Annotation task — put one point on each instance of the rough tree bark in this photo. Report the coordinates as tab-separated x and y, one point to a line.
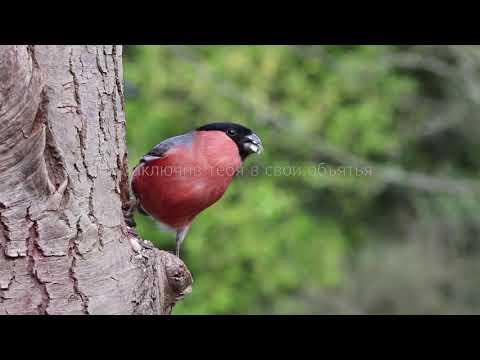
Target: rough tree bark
64	244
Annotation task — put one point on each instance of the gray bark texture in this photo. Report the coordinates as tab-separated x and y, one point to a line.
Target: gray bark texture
64	245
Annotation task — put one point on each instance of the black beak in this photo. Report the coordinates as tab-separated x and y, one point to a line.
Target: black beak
253	144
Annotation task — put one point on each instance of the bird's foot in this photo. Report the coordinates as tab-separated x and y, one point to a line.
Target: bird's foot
129	219
131	231
173	252
147	244
139	246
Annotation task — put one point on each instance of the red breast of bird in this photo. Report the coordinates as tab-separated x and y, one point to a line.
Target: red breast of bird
191	176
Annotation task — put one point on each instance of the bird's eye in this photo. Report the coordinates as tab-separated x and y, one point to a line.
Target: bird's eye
231	132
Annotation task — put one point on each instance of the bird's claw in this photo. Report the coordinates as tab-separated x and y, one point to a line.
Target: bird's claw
133	232
139	246
174	252
146	244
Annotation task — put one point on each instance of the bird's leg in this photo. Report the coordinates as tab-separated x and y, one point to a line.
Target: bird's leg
128	212
135	241
181	234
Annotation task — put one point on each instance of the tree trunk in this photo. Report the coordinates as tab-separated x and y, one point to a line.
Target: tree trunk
64	244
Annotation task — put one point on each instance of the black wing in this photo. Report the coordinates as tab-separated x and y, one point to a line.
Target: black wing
159	151
162	148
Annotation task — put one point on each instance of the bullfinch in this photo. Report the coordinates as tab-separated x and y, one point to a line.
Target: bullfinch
185	174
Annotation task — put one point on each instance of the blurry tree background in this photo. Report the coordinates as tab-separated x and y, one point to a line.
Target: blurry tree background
403	240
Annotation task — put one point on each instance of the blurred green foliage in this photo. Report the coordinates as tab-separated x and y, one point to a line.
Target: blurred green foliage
270	237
